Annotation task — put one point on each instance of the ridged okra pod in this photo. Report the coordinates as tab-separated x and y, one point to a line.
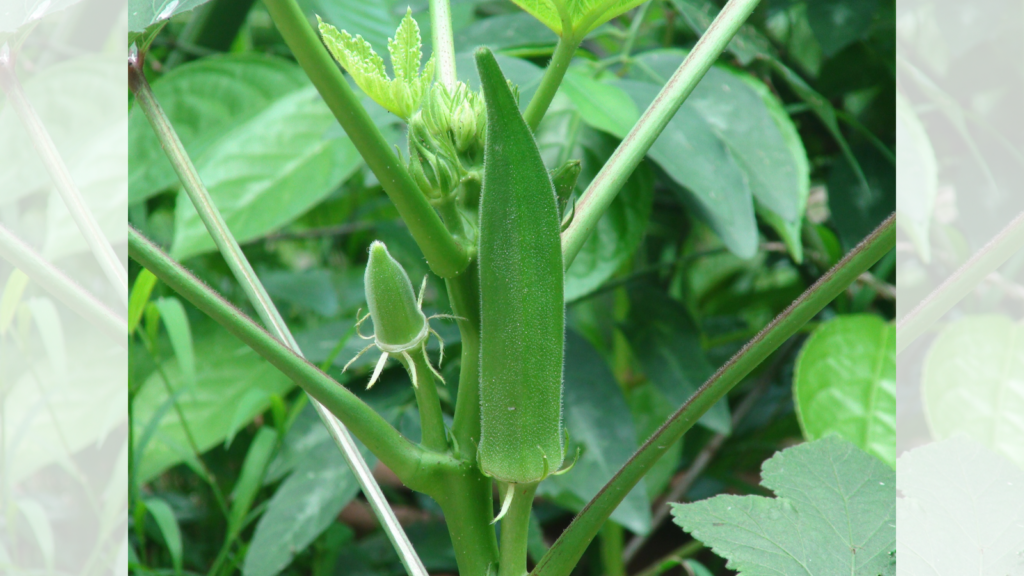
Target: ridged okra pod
521	300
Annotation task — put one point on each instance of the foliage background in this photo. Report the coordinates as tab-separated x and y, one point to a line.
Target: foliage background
680	274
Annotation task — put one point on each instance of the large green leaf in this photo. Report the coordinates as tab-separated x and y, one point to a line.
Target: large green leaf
917	176
845	383
650	410
225	371
601	105
205	100
973	383
581	16
835	513
268	171
960	510
735	107
694	155
667	343
599	423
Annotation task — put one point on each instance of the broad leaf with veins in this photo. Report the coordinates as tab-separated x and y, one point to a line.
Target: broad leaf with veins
835	513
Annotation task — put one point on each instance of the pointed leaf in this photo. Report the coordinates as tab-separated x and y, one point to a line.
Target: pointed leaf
581	16
169	529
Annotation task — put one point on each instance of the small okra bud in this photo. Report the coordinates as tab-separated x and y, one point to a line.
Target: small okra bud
522	319
564	178
397	318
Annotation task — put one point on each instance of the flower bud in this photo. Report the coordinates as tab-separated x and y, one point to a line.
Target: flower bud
397	319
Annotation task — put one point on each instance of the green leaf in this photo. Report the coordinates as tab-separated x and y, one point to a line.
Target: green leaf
168	524
307	290
747	45
250	480
144	13
205	100
917	177
141	291
225	371
835	513
41	529
522	308
302	507
790	230
172	312
504	31
576	18
374	21
268	172
403	94
600	424
736	107
971	383
961	508
845	383
666	341
603	106
14	290
695	157
838	23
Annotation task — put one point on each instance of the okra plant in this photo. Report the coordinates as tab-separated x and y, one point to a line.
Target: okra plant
519	190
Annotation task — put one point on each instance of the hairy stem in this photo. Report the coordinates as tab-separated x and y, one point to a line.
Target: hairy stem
606	185
431	421
553	74
261	301
101	249
443	43
466	499
514	528
567	550
1008	242
611	547
444	254
464	295
408	461
62	288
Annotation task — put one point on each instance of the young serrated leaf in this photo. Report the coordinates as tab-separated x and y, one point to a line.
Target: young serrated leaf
405	49
401	95
835	513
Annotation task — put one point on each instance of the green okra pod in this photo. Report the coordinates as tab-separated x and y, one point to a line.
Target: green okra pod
521	296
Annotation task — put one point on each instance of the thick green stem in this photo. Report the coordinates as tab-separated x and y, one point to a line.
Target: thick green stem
567	550
464	295
61	177
514	528
431	421
466	499
443	42
553	74
606	185
444	254
409	462
611	546
51	279
993	255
